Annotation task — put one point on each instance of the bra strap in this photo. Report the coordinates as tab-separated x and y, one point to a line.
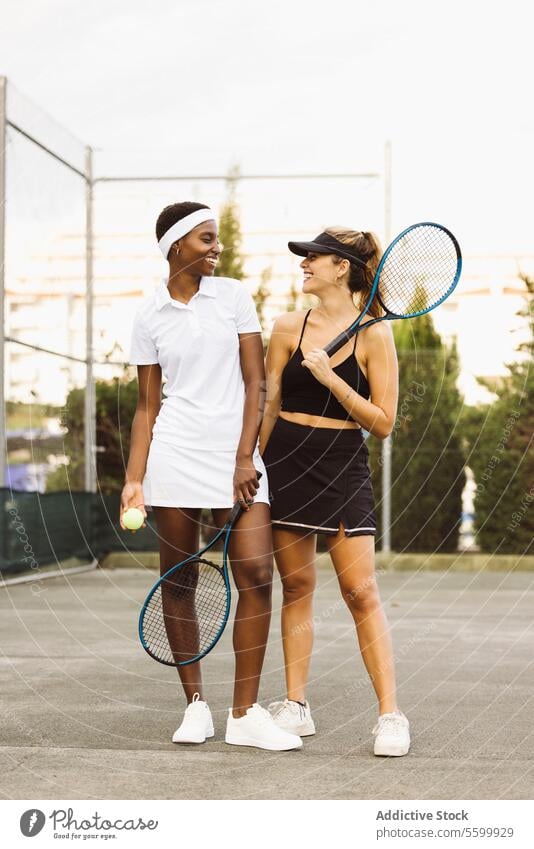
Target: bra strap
303	326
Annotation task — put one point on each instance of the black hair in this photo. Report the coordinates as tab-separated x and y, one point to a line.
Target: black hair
173	213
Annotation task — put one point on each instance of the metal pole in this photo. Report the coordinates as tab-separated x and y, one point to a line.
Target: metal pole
194	178
387	443
3	144
90	396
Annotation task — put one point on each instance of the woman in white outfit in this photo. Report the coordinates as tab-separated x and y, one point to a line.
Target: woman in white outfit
198	448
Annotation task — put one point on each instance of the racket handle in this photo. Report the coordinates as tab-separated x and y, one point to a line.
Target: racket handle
237	509
340	340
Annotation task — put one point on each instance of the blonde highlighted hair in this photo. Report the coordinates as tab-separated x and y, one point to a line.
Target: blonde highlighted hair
369	250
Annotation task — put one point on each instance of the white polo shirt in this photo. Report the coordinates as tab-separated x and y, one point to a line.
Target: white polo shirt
197	347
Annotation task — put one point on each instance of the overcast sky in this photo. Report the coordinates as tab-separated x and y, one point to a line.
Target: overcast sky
196	85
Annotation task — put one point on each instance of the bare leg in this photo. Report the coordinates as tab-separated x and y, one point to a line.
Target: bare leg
354	562
250	552
178	532
295	559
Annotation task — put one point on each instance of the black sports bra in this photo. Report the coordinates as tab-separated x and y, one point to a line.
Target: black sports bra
302	392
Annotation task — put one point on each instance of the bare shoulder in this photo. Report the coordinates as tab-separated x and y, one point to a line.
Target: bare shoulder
377	339
381	332
286	329
288	322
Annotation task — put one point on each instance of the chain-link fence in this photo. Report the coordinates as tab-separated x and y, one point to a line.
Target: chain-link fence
77	253
68	296
44	291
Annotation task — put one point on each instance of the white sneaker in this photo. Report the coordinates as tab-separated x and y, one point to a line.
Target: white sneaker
293	717
258	728
392	734
197	723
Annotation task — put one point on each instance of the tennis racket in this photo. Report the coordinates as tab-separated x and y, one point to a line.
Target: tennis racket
417	272
185	612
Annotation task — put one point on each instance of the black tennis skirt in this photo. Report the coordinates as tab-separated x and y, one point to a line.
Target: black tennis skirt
318	478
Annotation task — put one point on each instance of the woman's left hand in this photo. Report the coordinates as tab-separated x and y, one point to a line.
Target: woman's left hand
246	482
318	362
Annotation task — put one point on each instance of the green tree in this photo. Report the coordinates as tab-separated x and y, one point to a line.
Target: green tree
231	261
499	441
292	296
262	293
115	406
71	476
427	455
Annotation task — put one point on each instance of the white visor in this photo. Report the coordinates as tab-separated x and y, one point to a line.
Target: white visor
182	227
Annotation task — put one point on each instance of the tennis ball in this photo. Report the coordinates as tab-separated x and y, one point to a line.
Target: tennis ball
133	518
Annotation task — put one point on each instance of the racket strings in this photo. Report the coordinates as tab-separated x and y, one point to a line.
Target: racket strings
419	271
184	616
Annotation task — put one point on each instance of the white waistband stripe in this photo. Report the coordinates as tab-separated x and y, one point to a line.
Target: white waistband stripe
319	527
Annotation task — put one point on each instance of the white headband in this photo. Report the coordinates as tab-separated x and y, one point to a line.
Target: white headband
185	225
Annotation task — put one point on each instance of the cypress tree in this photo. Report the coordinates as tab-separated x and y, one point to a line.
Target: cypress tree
427	457
262	293
230	262
292	297
499	439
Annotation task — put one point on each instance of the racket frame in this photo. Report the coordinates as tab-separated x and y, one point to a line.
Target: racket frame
354	328
226	529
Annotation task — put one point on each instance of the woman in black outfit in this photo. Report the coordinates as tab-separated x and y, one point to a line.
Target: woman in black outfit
317	461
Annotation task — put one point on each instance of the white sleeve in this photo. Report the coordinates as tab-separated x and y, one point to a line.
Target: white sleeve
246	317
143	352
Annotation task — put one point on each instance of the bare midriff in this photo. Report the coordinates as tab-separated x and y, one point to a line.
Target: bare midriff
318	421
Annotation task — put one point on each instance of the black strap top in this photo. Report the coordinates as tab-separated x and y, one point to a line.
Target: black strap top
302	392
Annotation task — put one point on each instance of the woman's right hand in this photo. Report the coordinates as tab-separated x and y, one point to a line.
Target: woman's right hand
132	496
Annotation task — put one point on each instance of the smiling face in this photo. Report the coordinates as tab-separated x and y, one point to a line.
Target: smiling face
321	271
200	249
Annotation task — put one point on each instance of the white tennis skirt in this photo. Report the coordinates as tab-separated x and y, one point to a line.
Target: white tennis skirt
188	477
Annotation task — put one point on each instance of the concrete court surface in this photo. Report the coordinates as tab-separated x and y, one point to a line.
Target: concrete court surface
86	713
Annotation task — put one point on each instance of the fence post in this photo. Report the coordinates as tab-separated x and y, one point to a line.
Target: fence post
386	444
3	144
90	392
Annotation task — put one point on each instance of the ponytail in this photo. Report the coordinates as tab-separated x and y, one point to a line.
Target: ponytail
368	248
